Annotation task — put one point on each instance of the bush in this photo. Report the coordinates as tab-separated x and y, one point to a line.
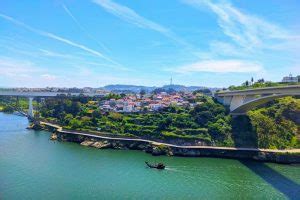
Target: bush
275	129
8	109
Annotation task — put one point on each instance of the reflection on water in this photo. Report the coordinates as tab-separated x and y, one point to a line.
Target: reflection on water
283	184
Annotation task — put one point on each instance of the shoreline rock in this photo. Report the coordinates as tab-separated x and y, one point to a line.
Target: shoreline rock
53	136
157	149
35	126
87	143
101	145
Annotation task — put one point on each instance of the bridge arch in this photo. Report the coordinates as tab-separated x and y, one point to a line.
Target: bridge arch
249	105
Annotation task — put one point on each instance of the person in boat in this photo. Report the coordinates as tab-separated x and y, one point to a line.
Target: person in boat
157	166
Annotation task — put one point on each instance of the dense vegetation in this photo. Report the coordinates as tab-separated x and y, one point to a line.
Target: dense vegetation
8	104
259	84
275	125
278	124
208	121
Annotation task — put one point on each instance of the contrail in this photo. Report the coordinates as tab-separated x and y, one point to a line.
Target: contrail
129	15
83	29
61	39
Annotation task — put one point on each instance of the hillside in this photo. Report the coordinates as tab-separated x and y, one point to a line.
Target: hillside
138	88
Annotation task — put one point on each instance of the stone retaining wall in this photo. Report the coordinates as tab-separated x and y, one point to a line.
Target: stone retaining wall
178	151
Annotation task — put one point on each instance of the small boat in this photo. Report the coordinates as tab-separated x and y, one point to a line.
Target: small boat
157	166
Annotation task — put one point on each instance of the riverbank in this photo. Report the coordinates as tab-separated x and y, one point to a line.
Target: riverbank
89	173
160	148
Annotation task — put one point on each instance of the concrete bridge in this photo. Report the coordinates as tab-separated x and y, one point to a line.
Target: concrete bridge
241	101
32	95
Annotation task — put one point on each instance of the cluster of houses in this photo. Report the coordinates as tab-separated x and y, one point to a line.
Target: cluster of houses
147	103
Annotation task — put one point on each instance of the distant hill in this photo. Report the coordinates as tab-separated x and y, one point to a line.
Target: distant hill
182	88
132	88
137	88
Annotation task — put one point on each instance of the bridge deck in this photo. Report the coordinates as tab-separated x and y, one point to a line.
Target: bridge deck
259	91
45	94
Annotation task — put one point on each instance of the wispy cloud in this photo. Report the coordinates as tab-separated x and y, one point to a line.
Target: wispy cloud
218	48
246	30
55	54
22	72
18	46
20	49
20	69
49	77
12	67
130	15
83	29
251	40
60	39
221	66
134	18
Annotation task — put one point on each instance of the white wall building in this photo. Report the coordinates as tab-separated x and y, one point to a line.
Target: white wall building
155	106
290	79
128	108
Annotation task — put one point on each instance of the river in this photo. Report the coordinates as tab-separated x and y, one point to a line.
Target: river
33	167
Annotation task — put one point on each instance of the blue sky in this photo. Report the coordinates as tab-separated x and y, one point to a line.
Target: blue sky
97	42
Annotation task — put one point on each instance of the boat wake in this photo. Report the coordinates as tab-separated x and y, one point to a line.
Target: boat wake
174	170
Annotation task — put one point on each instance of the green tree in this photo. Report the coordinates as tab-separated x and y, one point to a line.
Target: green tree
276	125
75	123
68	118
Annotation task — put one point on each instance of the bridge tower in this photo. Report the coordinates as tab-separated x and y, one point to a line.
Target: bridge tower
30	109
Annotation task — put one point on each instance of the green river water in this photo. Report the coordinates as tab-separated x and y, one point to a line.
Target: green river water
33	167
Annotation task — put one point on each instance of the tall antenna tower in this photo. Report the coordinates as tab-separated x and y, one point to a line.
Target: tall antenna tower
171	81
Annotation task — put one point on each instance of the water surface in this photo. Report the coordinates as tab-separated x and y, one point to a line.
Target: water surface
33	167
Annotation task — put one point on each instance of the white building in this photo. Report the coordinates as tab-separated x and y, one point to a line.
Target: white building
290	79
155	106
128	108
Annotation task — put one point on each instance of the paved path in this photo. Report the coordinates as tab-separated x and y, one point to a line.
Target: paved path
60	129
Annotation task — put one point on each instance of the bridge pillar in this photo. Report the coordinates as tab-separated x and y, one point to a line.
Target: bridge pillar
224	100
30	109
227	100
236	101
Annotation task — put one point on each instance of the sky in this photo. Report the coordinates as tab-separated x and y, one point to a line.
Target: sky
92	43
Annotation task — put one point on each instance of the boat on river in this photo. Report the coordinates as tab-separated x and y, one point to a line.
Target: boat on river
157	166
